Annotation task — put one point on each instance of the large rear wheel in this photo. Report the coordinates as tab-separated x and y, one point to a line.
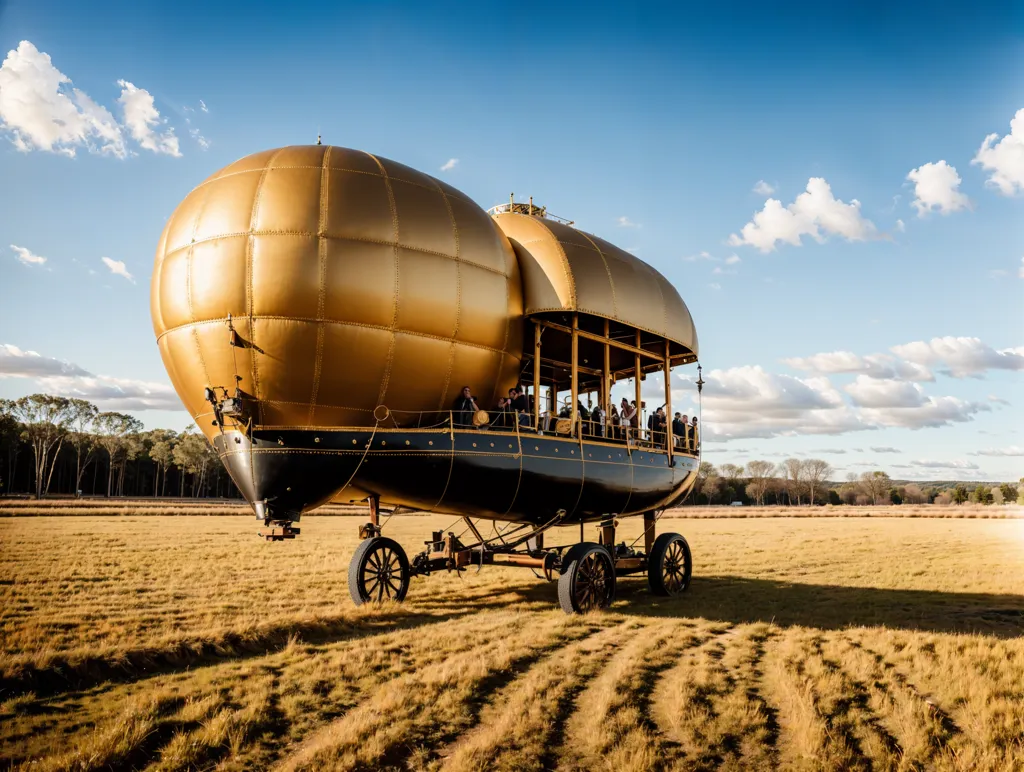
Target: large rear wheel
669	565
379	571
587	582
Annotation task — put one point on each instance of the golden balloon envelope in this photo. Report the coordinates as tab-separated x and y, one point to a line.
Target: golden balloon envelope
352	281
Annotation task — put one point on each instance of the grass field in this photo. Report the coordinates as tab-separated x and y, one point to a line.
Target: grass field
816	643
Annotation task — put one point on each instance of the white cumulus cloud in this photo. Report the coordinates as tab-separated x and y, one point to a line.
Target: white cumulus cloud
751	402
26	256
954	464
962	357
732	260
450	164
118	267
885	392
142	120
875	365
41	111
1004	160
17	363
816	213
935	187
56	376
931	412
762	188
1012	451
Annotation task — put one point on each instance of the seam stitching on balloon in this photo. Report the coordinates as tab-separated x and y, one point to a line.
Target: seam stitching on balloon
394	313
458	298
321	328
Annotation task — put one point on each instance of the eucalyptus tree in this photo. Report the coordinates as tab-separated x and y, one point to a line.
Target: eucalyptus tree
161	452
761	474
815	473
45	419
117	433
81	436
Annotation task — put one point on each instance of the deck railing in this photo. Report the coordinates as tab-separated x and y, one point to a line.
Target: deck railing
509	421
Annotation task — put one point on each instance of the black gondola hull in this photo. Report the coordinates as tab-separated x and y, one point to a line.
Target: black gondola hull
497	475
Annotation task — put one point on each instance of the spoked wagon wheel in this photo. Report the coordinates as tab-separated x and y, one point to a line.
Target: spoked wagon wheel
669	565
379	571
588	580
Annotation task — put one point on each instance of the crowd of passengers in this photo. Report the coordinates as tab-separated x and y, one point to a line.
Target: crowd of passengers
617	423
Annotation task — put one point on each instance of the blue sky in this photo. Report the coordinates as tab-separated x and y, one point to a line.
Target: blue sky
651	127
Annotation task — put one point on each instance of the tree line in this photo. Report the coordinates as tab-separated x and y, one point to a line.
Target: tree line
59	445
796	482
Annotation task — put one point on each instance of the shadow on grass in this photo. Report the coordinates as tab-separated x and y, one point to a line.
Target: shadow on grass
61	675
737	599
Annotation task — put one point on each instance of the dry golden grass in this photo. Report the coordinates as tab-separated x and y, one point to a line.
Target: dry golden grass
187	643
61	506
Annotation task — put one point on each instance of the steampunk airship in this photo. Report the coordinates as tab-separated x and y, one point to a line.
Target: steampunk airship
320	310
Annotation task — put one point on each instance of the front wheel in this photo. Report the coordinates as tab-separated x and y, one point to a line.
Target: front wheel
669	565
379	571
587	582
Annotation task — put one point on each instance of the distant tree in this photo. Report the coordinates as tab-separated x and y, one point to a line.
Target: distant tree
10	440
81	437
943	499
894	496
712	484
761	474
912	494
705	470
996	492
792	472
875	486
117	434
833	497
959	495
815	473
193	455
161	451
981	495
730	472
1009	493
1020	491
44	419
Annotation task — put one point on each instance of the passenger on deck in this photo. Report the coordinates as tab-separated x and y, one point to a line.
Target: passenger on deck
505	406
464	407
613	422
627	418
520	406
597	421
658	426
693	433
679	430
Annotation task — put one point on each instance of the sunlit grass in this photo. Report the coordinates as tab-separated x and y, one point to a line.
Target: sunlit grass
184	643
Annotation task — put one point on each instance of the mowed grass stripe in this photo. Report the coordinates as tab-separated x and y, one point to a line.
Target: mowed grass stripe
709	703
611	726
413	716
316	684
522	725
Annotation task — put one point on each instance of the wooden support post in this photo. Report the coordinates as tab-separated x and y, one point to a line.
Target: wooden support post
575	364
637	374
668	401
606	381
374	502
608	533
648	532
536	376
